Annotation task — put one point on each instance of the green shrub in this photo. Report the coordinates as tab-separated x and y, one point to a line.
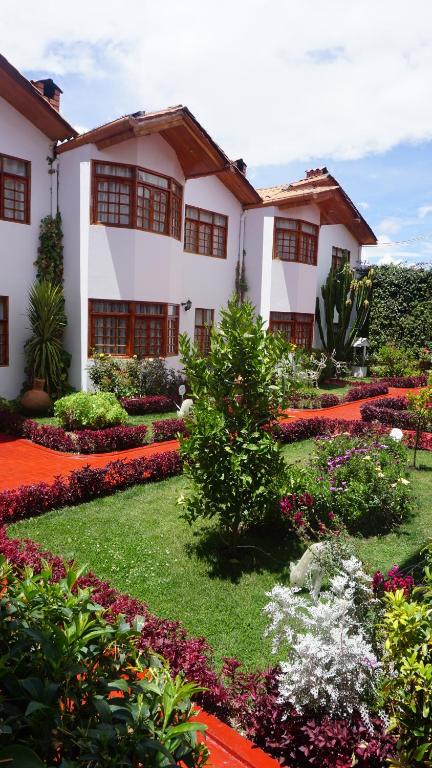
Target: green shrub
134	377
90	410
236	468
391	360
407	688
76	691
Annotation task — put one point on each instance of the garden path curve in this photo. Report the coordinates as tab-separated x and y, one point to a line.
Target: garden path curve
23	462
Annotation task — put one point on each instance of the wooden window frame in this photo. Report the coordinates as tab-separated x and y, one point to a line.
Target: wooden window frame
169	319
212	225
4	331
294	319
299	235
26	180
202	338
339	255
174	206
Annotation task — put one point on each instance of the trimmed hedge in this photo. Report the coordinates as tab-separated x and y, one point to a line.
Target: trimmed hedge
83	441
391	411
357	392
407	381
138	406
168	429
366	390
86	484
302	429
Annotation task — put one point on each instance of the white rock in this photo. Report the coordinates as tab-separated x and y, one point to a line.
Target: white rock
308	570
184	409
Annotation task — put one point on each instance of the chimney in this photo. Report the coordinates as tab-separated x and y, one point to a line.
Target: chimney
50	91
316	172
241	165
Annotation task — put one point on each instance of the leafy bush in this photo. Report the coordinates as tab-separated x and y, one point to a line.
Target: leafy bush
390	360
45	356
148	404
364	391
331	667
89	410
134	377
236	467
407	660
401	311
406	381
169	429
76	689
392	411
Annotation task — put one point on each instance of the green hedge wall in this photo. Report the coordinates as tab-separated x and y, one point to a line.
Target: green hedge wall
401	307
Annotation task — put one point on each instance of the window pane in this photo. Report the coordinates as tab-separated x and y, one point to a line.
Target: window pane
113	202
204	239
310	228
114	170
286	223
15	166
192	213
286	245
191	236
14	199
152	178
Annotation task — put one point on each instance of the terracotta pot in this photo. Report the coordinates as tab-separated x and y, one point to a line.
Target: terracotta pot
36	400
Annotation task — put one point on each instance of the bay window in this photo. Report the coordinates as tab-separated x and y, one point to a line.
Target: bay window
14	189
340	256
297	327
126	328
128	196
295	240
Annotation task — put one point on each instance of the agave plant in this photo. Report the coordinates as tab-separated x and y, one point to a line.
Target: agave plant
44	349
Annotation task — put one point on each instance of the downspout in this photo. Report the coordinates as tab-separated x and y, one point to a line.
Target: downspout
241	252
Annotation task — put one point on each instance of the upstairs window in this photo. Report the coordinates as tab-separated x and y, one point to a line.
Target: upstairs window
126	328
128	196
295	240
4	331
340	256
14	189
205	232
204	321
297	327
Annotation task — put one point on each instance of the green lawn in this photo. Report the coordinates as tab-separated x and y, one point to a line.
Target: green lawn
136	540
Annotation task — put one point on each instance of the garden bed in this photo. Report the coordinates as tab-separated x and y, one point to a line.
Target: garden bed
313	400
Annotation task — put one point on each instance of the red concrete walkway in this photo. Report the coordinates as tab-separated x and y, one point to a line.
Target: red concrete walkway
24	463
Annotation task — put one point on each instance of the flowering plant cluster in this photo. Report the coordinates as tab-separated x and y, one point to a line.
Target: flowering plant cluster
134	377
331	667
168	429
306	515
394	580
82	441
250	699
149	404
85	484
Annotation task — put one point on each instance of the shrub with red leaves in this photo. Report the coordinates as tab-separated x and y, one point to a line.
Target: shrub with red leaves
85	484
148	404
364	391
390	411
406	381
392	582
301	429
168	429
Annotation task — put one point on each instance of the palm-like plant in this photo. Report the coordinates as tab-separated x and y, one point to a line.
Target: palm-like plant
44	349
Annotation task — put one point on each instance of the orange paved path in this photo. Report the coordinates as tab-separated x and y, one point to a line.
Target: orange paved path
24	463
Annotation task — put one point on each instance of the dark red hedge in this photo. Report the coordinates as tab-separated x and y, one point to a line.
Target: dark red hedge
364	391
406	381
149	404
168	429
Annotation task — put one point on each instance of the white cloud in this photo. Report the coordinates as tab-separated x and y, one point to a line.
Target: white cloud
272	82
424	210
364	206
390	226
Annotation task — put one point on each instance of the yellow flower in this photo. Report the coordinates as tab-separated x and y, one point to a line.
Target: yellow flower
403	481
380	474
367	458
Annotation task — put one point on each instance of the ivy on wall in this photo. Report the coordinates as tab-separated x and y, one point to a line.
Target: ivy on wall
49	262
401	311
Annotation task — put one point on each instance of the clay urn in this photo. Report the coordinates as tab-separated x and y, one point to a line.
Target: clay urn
36	400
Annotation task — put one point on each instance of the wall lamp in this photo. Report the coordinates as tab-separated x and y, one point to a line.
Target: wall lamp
186	305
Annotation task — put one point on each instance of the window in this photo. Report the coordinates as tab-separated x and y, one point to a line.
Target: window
204	320
296	327
339	256
205	232
4	331
14	189
127	196
126	328
295	240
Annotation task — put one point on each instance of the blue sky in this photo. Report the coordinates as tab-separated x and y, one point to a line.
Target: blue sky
286	85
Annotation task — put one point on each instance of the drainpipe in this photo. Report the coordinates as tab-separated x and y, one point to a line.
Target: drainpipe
241	241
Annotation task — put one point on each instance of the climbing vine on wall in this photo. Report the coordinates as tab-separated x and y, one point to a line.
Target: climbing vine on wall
401	311
49	262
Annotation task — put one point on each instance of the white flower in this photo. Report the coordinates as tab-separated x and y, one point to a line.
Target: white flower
403	481
396	434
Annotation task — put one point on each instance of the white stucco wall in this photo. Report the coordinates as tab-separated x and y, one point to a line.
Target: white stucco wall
115	263
19	242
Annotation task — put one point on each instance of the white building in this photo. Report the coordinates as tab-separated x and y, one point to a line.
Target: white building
155	219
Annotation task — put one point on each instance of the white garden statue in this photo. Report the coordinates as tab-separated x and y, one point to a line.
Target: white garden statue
185	408
308	571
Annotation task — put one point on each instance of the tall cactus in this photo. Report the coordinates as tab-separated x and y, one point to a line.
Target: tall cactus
343	293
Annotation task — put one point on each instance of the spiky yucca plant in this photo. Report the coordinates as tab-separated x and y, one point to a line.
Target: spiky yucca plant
44	349
343	293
